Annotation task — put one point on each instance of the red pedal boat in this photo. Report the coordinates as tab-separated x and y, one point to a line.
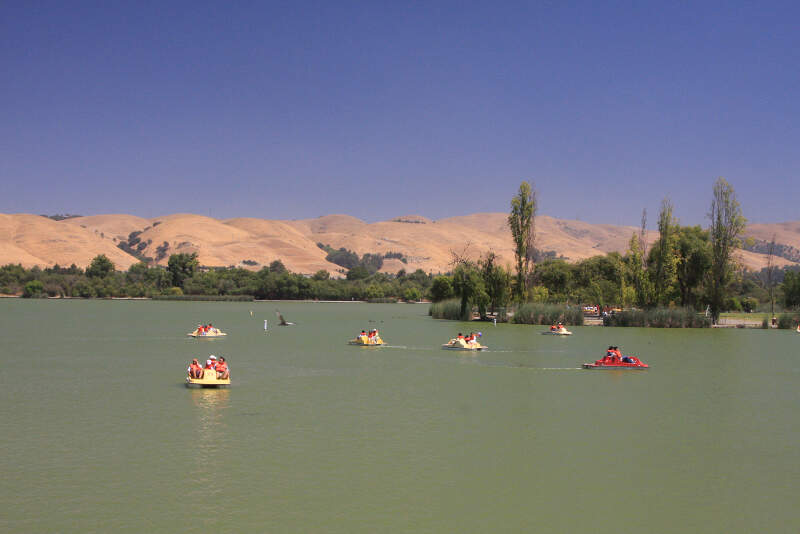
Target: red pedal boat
615	363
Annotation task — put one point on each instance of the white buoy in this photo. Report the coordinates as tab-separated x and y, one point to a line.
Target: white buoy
251	313
265	325
495	321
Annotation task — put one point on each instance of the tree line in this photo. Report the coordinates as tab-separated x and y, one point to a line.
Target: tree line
183	276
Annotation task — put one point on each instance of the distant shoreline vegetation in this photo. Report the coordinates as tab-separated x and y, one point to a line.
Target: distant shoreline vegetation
184	279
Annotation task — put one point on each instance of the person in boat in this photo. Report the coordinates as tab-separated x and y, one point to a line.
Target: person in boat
223	372
624	359
211	362
559	327
613	355
194	370
553	328
618	357
375	336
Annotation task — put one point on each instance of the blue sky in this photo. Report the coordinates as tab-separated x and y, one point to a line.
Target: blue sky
286	110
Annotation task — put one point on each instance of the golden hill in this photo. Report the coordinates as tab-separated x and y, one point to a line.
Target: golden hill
35	240
254	243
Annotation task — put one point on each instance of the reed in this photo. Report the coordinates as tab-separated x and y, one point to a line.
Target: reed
659	318
449	309
787	321
543	313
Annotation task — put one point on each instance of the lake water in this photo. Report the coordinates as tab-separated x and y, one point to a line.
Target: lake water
99	434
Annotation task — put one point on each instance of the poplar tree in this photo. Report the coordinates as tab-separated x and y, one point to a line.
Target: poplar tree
522	221
727	223
663	257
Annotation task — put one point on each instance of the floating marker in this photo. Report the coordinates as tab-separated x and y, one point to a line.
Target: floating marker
265	325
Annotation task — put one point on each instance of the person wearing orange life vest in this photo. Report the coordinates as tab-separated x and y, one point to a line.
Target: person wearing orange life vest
195	371
223	371
211	362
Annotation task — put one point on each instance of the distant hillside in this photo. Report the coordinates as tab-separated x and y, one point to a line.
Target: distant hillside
253	243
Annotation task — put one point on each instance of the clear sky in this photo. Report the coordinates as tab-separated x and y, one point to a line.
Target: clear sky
295	109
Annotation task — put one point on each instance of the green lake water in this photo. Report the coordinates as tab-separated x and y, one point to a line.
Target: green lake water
99	434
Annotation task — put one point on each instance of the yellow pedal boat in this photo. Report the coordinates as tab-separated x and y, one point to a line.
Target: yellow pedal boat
215	333
363	341
460	344
209	380
559	332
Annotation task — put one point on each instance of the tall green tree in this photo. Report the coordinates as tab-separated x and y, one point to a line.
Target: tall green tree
522	221
181	267
468	286
441	289
727	224
557	277
100	267
496	280
791	289
694	261
663	259
770	275
635	274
